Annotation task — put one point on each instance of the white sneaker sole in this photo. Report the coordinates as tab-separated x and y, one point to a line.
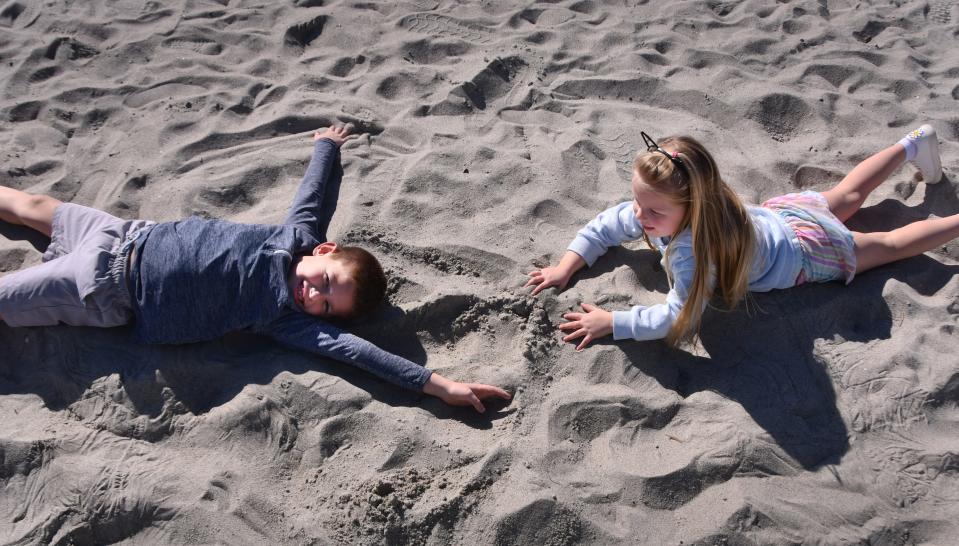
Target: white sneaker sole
927	154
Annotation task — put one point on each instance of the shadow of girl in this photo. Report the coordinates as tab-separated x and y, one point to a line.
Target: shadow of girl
782	355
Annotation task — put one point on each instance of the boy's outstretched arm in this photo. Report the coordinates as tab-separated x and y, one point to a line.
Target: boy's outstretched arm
301	331
315	200
455	393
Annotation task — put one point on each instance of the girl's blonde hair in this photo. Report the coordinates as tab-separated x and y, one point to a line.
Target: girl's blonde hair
723	237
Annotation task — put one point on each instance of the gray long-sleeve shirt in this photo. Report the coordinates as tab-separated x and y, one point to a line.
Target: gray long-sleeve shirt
197	279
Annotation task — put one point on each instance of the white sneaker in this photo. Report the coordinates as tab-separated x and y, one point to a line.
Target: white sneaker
927	153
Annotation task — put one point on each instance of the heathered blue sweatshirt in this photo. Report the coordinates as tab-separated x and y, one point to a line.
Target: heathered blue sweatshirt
197	279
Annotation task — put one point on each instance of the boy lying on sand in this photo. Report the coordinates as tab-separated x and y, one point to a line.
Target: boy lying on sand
197	279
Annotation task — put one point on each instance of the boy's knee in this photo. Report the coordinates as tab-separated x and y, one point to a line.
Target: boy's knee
39	202
29	205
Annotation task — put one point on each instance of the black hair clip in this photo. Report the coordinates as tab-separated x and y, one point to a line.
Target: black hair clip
651	146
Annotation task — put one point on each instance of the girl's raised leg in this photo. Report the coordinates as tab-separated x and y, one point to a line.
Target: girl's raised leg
21	208
847	196
921	147
878	248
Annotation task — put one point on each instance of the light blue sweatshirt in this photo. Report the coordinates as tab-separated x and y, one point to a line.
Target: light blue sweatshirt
777	261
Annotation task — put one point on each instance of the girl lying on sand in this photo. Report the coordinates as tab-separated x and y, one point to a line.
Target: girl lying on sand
713	245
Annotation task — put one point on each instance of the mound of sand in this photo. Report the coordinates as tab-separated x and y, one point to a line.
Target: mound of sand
492	132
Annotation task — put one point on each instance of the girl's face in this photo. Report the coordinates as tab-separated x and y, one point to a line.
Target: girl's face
659	215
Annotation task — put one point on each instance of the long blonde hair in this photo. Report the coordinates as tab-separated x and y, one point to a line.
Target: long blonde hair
723	238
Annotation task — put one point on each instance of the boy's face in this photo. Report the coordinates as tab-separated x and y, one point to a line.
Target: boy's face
659	215
323	286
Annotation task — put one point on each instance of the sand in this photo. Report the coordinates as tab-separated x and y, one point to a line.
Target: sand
492	131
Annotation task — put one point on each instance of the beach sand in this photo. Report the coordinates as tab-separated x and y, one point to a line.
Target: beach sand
491	132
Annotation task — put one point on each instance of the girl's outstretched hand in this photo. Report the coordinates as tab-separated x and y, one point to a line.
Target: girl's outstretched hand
543	278
591	325
455	393
558	275
338	135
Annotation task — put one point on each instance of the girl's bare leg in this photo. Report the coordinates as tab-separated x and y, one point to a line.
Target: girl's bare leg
875	249
847	196
21	208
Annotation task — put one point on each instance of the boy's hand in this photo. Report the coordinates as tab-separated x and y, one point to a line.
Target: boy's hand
455	393
591	325
338	135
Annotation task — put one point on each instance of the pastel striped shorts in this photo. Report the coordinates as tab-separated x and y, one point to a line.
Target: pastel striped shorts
827	245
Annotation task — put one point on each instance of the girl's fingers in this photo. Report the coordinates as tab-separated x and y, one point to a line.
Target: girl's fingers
578	333
543	285
535	272
572	325
586	341
588	307
573	316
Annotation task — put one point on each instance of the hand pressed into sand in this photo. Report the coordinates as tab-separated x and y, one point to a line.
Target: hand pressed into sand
557	275
591	325
455	393
339	135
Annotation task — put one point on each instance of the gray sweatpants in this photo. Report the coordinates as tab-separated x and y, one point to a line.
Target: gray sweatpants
82	280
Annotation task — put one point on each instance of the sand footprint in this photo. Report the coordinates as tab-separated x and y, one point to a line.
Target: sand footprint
203	46
219	491
298	37
441	25
544	521
495	81
781	115
940	11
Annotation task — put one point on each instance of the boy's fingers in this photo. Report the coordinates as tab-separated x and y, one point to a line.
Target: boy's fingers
578	333
586	341
476	403
485	391
589	307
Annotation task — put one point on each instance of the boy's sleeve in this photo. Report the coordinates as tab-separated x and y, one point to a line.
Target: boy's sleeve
301	331
653	322
315	200
612	227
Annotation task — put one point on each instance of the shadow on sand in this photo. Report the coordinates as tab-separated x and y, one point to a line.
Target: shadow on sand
60	363
763	354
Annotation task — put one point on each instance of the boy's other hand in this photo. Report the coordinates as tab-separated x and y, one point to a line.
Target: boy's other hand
455	393
338	135
591	325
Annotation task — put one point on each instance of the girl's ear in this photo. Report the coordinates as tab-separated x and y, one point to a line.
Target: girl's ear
324	248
